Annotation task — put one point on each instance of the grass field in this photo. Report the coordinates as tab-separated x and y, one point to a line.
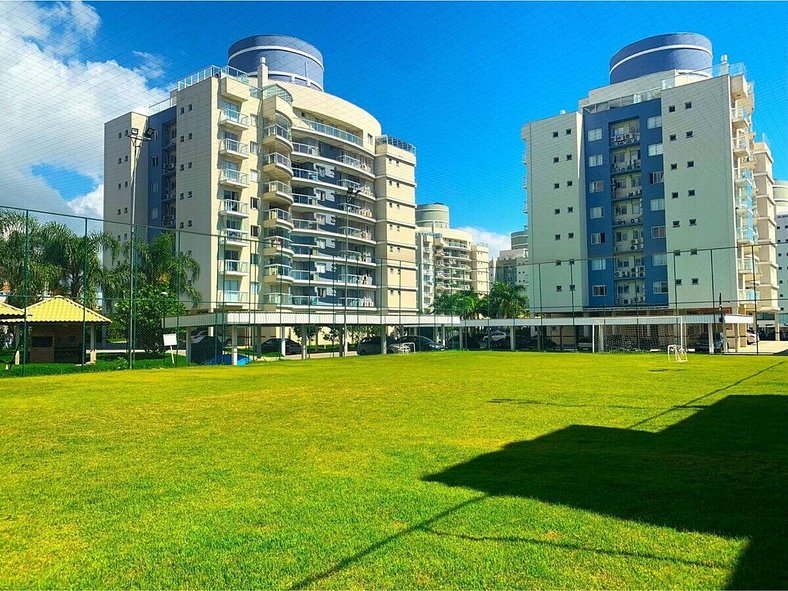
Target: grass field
442	470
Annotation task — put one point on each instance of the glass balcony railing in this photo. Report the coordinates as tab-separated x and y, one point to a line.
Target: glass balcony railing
278	214
231	145
234	235
306	149
280	159
277	242
233	266
233	176
332	131
619	167
300	173
278	131
279	187
277	270
280	299
230	206
357	302
233	117
233	297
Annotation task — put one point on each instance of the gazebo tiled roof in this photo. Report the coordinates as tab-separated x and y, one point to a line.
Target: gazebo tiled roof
60	309
9	311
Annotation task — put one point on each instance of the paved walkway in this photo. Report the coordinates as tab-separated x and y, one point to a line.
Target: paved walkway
763	348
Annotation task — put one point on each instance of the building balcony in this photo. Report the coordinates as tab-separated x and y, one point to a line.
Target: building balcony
277	136
309	300
356	210
630	274
233	119
629	246
746	235
169	196
169	167
362	189
278	192
168	221
624	167
741	147
628	221
740	118
277	273
233	178
278	217
276	245
354	232
232	208
299	148
357	302
233	149
277	299
746	295
230	297
742	177
278	166
331	132
354	279
745	265
628	193
740	88
234	236
356	255
624	139
355	163
233	267
309	175
744	202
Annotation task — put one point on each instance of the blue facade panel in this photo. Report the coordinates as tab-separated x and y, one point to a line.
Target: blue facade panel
155	164
603	226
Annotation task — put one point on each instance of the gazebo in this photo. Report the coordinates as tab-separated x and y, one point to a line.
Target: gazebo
57	327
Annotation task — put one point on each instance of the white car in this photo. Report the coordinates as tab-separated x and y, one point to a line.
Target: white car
495	340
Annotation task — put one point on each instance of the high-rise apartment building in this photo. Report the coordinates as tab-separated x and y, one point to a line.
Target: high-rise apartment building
512	266
289	197
654	194
449	260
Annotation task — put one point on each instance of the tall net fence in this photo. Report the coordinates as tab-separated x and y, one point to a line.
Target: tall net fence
82	291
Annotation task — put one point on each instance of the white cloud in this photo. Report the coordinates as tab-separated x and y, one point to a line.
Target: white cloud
59	102
497	242
152	65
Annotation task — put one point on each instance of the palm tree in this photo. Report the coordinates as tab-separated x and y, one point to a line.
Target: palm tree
465	304
79	271
507	301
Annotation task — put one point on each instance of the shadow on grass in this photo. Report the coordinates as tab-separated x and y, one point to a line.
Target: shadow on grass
721	471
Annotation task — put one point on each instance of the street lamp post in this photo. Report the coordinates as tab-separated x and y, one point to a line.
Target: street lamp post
137	140
348	197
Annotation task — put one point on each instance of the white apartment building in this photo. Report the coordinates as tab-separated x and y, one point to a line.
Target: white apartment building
512	265
654	195
449	261
781	200
289	198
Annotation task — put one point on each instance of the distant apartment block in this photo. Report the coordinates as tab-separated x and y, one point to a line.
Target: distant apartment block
512	266
781	200
290	198
655	194
448	260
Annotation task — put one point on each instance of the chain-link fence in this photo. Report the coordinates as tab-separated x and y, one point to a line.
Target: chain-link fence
87	292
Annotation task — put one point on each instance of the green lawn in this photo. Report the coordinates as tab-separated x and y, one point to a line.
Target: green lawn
440	470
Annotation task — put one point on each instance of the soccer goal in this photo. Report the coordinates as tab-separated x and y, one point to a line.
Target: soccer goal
677	353
630	334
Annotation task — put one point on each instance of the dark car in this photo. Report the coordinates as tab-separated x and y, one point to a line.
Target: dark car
701	344
532	343
414	343
369	346
275	346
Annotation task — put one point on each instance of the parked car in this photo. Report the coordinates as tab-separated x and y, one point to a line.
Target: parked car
469	341
752	336
531	343
275	346
369	346
498	339
414	342
701	344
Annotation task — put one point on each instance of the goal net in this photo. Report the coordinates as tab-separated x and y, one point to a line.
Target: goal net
623	335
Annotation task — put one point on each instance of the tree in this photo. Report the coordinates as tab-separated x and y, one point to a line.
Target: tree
152	303
465	304
506	301
22	261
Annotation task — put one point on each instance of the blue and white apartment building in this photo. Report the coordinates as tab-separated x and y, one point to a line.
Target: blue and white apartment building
655	195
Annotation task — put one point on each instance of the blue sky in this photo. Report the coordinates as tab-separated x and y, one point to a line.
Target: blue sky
456	79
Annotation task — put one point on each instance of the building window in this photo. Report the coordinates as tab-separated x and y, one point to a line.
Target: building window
691	193
595	160
595	187
690	163
678	281
569	183
693	222
658	231
555	159
654	122
120	160
570	235
182	139
596	212
599	290
660	287
594	134
570	210
674	195
190	164
255	203
558	236
558	263
654	149
154	161
693	252
598	238
694	281
254	148
556	185
655	177
182	110
190	135
189	224
568	156
659	260
568	132
189	195
671	108
598	264
559	288
688	105
676	223
658	204
672	137
254	231
555	134
556	211
688	134
254	258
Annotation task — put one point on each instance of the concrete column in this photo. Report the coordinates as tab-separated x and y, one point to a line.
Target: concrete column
601	338
304	341
776	326
443	334
234	342
92	343
511	339
461	339
383	344
736	337
710	330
